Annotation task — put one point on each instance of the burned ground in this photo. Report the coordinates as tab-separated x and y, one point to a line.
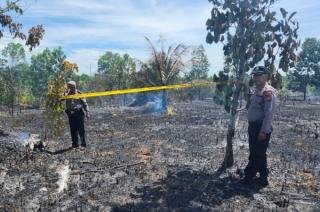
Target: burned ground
137	162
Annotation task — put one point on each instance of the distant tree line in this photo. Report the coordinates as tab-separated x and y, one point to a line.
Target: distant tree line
25	83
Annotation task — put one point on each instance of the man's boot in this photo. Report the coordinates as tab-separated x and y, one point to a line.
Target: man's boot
75	145
83	142
262	181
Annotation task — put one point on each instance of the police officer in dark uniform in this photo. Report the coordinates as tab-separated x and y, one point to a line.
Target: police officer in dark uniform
261	108
77	110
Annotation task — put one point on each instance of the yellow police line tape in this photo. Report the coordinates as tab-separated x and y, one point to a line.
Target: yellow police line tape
138	90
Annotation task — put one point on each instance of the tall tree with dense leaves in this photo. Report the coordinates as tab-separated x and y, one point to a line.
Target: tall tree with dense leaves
251	33
199	68
199	64
54	107
43	67
307	71
12	65
8	12
116	70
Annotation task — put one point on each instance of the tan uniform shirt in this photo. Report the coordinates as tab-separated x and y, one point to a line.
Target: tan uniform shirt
262	106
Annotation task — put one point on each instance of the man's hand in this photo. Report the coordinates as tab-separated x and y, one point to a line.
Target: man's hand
241	109
87	115
262	136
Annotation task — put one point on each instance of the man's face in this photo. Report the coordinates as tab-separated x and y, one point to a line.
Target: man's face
259	79
72	88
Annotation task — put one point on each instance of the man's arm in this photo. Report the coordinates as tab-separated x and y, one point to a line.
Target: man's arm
269	108
84	105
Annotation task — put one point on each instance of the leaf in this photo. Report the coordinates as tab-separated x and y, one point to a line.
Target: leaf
292	64
277	27
209	38
209	23
274	44
216	38
278	39
283	12
292	14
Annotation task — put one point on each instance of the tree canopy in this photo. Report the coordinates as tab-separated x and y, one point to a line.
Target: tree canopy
8	13
116	70
199	64
307	71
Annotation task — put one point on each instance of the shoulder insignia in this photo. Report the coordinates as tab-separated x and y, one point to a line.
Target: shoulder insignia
268	95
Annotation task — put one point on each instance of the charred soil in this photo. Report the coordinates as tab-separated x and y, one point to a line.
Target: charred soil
136	162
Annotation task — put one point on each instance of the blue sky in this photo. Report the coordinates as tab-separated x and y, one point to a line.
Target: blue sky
85	29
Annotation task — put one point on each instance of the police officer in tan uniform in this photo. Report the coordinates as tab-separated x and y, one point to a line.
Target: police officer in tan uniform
77	110
261	108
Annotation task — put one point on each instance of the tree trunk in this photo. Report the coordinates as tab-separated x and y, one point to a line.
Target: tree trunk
164	101
124	100
240	70
228	158
304	93
12	107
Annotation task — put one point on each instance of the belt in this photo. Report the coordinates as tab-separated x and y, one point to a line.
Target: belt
255	122
72	111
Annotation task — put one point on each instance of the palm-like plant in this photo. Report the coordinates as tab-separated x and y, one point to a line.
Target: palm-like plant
164	65
162	68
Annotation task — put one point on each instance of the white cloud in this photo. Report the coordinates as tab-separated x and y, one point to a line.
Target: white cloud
86	29
86	59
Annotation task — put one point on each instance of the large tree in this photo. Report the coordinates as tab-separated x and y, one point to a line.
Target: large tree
54	107
199	64
116	70
43	67
199	70
251	33
307	71
11	70
8	12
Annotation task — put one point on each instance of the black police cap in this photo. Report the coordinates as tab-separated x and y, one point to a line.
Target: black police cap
260	70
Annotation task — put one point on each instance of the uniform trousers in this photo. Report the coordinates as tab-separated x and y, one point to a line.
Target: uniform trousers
76	122
258	156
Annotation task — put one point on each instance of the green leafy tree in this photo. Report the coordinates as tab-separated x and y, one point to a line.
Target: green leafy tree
116	69
96	83
307	71
199	64
199	69
54	107
251	33
12	65
82	80
43	67
25	97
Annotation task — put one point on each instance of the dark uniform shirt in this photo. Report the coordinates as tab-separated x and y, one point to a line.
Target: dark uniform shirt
76	104
262	106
